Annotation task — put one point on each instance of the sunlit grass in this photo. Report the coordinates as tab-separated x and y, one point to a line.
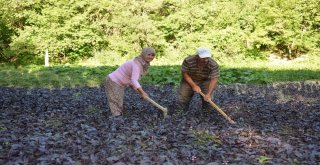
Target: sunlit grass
52	77
162	71
278	70
303	62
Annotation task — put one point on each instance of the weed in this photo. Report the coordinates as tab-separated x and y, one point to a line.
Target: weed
263	159
93	110
3	129
202	138
76	95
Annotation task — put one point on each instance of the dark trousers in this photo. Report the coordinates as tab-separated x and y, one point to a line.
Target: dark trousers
185	94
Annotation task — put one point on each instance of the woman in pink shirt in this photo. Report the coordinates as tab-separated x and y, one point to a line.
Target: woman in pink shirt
127	74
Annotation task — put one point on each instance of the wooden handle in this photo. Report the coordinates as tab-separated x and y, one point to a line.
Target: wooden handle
219	110
164	110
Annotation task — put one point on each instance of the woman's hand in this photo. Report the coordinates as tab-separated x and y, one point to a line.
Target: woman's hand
142	93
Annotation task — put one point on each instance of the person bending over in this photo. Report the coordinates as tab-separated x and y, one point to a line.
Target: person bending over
200	73
128	74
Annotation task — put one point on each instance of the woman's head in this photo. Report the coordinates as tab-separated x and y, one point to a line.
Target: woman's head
148	54
145	57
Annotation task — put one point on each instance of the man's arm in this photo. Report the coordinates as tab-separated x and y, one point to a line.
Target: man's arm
212	85
189	80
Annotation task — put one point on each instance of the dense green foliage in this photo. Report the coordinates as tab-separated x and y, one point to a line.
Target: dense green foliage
76	30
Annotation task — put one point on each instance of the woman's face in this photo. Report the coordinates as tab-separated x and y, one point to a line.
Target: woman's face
149	57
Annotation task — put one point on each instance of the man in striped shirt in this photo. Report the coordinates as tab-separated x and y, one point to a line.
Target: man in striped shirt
199	74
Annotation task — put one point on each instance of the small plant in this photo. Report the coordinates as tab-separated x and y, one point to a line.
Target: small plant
93	110
76	95
2	128
263	159
204	137
6	144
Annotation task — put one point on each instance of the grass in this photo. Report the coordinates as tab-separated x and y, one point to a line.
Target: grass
161	72
55	76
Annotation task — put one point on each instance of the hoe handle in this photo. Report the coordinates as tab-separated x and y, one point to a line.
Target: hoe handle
219	110
164	110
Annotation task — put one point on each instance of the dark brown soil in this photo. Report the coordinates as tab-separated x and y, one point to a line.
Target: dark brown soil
276	124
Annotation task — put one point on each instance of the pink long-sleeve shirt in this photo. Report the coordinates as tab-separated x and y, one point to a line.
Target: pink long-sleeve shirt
128	73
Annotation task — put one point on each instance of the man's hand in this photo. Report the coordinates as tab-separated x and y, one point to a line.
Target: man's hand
207	97
189	80
196	88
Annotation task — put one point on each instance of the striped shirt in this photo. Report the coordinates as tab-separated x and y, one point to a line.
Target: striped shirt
209	71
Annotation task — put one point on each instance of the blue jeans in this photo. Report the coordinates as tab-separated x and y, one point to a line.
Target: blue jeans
185	94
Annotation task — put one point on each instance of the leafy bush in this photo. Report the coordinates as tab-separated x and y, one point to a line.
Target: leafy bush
75	30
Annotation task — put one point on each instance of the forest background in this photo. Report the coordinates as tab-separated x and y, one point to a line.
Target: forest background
91	38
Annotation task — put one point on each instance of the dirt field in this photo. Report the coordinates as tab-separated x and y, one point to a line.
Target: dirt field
276	124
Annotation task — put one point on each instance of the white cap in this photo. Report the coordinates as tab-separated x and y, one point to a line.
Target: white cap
203	52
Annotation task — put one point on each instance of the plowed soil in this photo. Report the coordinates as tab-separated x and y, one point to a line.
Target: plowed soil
276	124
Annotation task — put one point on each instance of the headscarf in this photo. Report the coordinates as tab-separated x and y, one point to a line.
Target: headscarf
141	59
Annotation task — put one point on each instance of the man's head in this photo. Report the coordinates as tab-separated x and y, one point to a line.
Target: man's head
203	52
